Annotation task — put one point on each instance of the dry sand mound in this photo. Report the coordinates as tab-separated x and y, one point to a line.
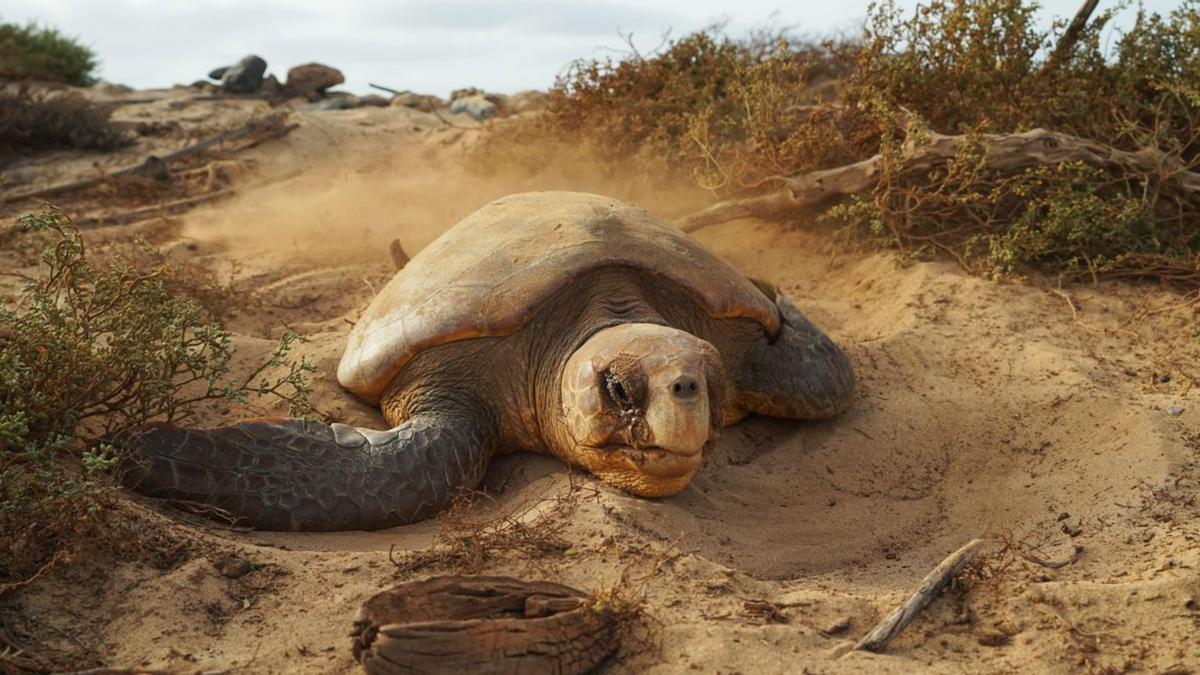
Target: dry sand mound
1009	410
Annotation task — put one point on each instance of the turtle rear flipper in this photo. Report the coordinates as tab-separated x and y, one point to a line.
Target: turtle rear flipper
294	474
802	374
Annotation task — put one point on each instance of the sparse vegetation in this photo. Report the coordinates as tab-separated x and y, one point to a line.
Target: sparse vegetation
90	352
31	52
740	117
31	122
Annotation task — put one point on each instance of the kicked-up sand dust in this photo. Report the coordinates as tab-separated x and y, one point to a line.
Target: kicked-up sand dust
1044	418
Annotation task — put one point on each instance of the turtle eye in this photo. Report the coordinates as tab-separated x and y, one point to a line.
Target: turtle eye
617	391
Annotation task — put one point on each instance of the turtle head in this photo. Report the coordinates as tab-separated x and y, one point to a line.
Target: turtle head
640	404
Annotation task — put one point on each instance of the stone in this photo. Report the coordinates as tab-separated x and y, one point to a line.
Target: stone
270	85
234	566
422	102
373	100
217	73
332	103
465	92
476	106
312	78
245	76
528	101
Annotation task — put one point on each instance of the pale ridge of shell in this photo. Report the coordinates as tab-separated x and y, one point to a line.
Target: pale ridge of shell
487	276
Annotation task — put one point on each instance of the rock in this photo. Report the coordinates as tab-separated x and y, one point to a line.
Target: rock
333	103
373	100
465	92
217	73
204	86
1175	411
840	625
422	102
234	566
312	79
270	85
111	89
245	76
528	101
476	106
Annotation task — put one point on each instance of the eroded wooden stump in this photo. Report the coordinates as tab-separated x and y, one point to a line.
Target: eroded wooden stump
468	624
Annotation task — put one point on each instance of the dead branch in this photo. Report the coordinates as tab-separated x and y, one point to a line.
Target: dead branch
1002	152
933	583
273	125
1071	35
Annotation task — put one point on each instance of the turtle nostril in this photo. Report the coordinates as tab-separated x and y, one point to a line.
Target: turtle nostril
685	388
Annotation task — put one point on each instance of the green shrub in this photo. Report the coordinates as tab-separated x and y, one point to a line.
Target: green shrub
89	352
32	53
32	122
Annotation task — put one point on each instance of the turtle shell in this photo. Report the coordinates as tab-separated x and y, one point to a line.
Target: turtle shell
488	275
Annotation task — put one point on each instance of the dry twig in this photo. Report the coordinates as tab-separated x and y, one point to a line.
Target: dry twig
933	583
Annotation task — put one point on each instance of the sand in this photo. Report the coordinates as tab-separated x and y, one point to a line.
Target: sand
1016	411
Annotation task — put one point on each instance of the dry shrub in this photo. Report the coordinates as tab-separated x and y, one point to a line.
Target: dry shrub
737	116
729	114
89	352
34	122
1071	219
467	541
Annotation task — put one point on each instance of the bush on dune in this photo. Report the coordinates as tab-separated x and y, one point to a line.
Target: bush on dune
32	53
88	352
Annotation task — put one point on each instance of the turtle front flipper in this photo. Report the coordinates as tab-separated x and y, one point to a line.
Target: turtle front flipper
294	474
802	374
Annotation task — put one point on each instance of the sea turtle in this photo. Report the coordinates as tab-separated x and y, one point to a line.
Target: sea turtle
561	323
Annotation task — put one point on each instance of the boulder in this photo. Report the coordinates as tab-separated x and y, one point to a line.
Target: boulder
270	86
476	106
422	102
527	101
245	76
465	92
312	79
373	100
339	102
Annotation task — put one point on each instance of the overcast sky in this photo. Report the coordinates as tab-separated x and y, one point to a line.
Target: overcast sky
428	46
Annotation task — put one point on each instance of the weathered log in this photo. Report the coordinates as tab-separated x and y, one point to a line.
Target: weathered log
933	583
468	624
1001	152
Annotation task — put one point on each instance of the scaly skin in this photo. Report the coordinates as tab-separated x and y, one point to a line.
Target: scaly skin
292	474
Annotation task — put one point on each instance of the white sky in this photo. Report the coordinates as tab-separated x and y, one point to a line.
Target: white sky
429	46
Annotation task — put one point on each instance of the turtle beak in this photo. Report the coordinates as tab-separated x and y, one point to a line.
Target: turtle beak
677	410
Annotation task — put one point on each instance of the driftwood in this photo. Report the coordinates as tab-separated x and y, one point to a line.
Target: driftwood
154	165
466	624
1002	152
933	583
